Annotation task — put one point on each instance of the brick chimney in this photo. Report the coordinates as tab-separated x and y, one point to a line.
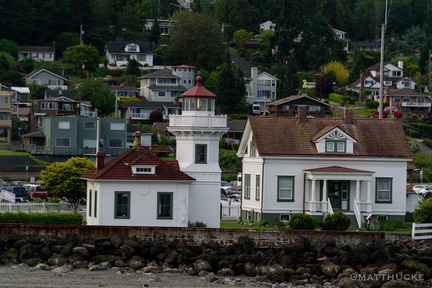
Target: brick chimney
302	114
100	160
137	141
348	116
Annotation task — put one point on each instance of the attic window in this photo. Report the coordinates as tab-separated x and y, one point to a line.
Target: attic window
143	169
335	143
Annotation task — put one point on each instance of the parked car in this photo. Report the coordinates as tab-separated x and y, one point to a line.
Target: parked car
226	186
18	183
19	191
36	191
421	189
224	195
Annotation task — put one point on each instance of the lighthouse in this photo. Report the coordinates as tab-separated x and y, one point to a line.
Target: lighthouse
198	131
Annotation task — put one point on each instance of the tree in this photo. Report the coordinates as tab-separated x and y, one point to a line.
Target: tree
10	47
18	127
63	179
37	91
339	70
65	40
242	34
83	57
155	32
197	41
98	93
230	89
133	67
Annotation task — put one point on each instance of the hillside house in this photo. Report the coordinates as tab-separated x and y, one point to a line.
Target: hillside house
40	53
166	85
6	116
118	53
139	111
410	102
289	106
45	77
321	165
260	88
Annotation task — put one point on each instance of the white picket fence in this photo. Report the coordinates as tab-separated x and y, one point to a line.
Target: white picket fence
419	231
41	207
230	210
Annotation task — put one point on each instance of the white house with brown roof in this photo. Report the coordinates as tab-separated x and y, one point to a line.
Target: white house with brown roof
410	102
319	165
138	188
165	85
41	53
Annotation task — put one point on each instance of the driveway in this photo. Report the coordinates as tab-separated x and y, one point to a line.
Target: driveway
424	149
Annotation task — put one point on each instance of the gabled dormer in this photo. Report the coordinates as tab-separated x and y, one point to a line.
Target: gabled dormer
143	169
132	47
334	140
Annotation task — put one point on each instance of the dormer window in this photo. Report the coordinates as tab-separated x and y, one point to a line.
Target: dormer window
333	146
143	169
132	48
335	141
387	83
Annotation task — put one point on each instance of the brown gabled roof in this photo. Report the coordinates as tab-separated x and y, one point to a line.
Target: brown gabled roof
120	168
406	92
286	136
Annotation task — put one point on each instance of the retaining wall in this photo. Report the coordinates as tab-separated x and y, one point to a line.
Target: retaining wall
199	236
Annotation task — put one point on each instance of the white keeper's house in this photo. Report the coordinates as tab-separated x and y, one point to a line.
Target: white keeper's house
138	188
320	165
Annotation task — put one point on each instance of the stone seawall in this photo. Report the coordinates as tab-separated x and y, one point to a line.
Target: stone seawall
318	258
199	236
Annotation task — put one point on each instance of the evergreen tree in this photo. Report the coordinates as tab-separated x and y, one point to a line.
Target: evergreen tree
133	67
155	32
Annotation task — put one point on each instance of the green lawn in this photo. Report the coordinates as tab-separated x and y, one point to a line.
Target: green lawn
234	225
12	153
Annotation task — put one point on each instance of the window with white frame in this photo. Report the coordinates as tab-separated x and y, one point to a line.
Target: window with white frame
122	205
143	169
257	187
383	190
284	218
117	126
247	184
285	188
64	125
89	125
335	143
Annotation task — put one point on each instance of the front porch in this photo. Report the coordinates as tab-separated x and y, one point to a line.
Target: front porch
333	189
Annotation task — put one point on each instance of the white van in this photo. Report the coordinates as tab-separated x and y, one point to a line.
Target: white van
308	85
256	109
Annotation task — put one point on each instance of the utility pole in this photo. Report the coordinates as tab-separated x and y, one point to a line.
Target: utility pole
81	33
381	91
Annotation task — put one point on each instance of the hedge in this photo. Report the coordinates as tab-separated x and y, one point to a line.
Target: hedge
50	218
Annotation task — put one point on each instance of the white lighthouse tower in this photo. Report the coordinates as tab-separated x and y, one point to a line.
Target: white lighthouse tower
198	131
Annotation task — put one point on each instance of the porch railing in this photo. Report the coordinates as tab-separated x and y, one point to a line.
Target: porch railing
329	207
357	213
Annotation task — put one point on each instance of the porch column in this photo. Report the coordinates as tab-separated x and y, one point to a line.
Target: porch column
358	191
324	197
312	198
368	201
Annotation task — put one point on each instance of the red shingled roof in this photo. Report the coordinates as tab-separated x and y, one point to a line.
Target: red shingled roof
120	168
198	91
285	136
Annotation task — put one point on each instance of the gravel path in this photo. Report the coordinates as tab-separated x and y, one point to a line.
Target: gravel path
21	276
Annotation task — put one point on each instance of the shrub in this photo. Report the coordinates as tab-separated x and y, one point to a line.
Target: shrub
423	214
197	224
301	222
337	221
50	218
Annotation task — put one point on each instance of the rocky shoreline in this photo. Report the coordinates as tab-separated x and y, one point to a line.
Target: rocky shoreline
381	264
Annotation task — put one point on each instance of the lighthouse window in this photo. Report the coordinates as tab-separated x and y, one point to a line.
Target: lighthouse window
200	154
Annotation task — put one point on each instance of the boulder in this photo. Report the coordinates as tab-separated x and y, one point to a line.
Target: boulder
58	260
201	265
137	262
30	255
330	269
